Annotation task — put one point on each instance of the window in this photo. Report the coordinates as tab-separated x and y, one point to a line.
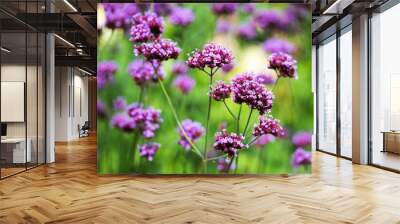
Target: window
385	89
327	96
346	92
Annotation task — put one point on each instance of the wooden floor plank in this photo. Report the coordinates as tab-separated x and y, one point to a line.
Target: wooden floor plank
70	191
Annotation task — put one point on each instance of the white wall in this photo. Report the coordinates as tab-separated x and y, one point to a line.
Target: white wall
71	94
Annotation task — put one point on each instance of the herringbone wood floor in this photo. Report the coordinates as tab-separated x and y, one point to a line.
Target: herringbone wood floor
70	191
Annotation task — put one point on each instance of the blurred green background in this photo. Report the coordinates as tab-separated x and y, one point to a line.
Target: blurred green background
293	105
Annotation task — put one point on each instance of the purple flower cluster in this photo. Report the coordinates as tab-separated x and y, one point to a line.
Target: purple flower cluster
148	150
283	64
142	72
118	15
264	139
193	130
247	30
221	91
119	103
274	45
268	125
163	9
180	68
101	109
181	16
248	8
294	13
212	55
223	26
302	139
146	27
184	83
229	143
105	73
265	78
161	50
247	90
224	8
123	122
227	67
301	157
147	121
268	19
223	165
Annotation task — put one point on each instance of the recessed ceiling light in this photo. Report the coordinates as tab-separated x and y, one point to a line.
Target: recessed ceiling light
64	40
70	5
5	50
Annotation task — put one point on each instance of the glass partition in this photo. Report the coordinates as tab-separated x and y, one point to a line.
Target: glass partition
346	93
22	101
327	95
385	89
14	144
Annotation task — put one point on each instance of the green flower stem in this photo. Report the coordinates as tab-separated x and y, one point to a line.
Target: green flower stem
229	110
141	95
217	157
247	123
236	163
208	121
238	119
194	147
132	152
229	165
276	83
253	140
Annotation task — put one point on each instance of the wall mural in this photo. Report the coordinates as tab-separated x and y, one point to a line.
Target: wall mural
198	88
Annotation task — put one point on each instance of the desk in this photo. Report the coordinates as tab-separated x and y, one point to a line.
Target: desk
391	141
17	150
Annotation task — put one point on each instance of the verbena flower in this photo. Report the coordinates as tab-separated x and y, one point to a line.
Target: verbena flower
221	91
146	27
268	125
301	157
268	19
245	89
148	150
283	64
119	103
158	50
265	78
247	30
223	26
181	16
223	165
163	9
118	15
147	121
193	130
123	122
180	68
264	139
142	72
302	139
229	143
227	68
105	72
274	45
224	8
248	8
212	55
101	109
184	83
293	14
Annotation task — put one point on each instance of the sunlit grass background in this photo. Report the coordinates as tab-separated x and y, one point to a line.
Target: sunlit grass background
293	104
